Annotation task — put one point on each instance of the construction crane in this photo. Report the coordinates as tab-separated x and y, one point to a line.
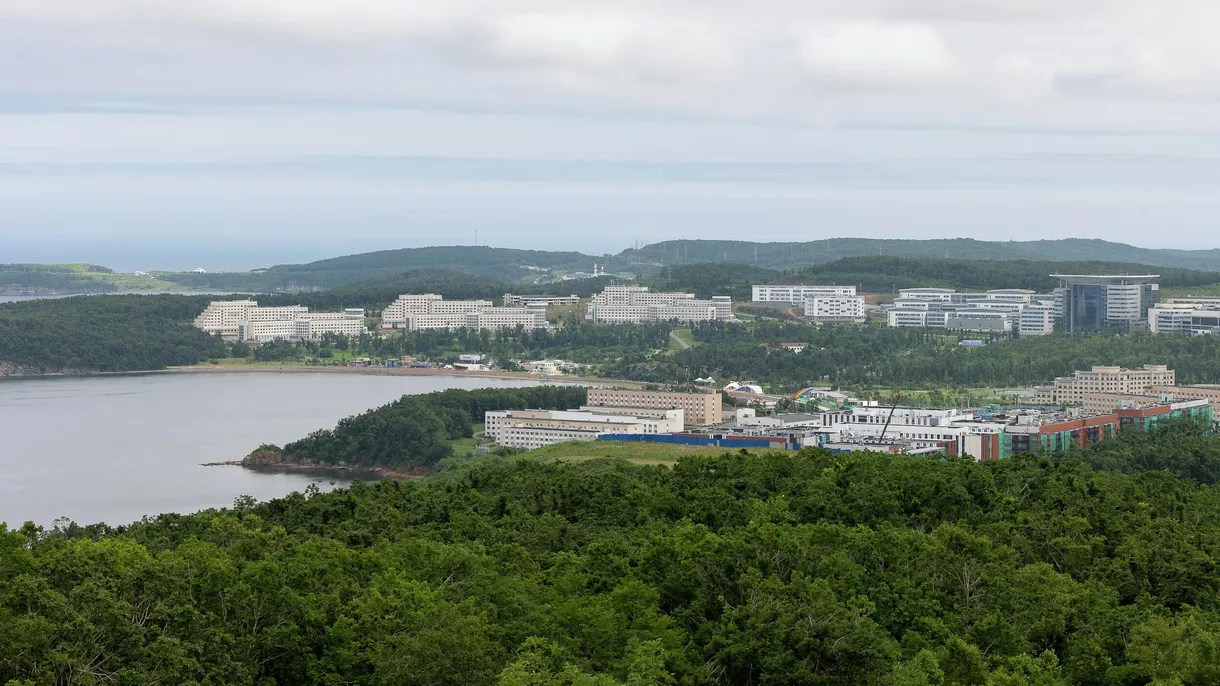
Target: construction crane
897	399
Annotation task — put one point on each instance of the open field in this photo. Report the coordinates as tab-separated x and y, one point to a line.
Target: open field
636	453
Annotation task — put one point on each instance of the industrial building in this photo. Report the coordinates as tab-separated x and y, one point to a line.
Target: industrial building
638	305
414	312
244	320
1094	302
700	409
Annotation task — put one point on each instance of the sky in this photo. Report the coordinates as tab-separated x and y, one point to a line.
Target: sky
232	134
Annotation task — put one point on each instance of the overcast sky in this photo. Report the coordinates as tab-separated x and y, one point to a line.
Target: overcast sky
240	133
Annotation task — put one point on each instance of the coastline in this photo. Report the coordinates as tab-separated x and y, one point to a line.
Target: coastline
326	369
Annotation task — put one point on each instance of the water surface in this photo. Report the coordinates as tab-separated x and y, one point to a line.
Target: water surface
117	448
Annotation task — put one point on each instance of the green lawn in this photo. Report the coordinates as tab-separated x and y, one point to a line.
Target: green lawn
637	453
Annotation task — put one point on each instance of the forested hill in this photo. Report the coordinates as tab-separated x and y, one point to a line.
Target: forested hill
779	569
500	264
792	255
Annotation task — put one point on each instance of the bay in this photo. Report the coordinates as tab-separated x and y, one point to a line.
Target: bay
116	448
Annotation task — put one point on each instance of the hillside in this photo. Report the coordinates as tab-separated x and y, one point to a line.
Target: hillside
790	255
61	279
501	264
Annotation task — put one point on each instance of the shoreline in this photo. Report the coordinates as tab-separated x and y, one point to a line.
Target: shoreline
329	369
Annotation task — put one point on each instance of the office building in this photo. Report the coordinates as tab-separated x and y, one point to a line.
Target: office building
797	295
1036	320
530	429
835	309
1184	318
529	318
244	320
1093	302
700	409
980	320
639	305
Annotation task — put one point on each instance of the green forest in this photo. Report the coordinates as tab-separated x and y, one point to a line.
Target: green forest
807	568
414	431
111	333
882	357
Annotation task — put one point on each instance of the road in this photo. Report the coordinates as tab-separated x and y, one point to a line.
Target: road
680	341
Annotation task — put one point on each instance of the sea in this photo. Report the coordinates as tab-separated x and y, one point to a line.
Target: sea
116	448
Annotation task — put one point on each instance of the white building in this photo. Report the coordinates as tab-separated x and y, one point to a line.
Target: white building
244	320
835	309
414	312
1037	320
530	429
986	321
638	305
797	295
511	300
1182	318
908	316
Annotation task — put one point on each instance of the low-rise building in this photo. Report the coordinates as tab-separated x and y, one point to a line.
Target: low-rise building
530	429
511	300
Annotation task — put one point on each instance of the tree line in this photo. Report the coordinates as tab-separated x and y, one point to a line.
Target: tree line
733	569
879	356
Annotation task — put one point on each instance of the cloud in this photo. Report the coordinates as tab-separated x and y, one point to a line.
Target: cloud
795	60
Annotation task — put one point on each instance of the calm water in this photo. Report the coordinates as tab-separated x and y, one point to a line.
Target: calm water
114	449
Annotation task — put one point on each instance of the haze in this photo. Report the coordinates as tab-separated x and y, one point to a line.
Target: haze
232	134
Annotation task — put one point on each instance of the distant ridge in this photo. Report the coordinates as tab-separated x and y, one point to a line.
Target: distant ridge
790	255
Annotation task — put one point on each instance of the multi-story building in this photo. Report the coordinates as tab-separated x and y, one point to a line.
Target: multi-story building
700	409
1037	320
638	305
1183	318
414	312
982	320
1071	390
996	311
797	294
511	300
1093	302
835	309
507	318
530	429
244	320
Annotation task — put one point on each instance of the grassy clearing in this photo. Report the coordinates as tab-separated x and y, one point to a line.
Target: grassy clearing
637	453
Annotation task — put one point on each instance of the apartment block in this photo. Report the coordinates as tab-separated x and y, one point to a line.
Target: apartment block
699	409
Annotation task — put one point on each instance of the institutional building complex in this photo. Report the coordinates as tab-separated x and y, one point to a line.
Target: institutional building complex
638	305
244	320
1073	390
699	409
530	429
414	312
822	304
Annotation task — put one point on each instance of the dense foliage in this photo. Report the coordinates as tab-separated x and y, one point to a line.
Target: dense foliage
875	356
105	333
777	569
414	431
